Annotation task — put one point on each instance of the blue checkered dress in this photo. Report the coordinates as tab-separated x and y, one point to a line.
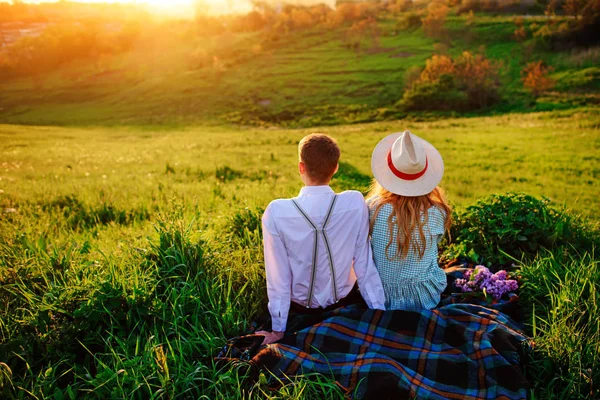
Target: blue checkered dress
413	283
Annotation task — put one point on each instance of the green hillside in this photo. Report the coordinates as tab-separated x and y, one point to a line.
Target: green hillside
306	78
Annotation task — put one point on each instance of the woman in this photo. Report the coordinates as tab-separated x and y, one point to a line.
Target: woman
408	215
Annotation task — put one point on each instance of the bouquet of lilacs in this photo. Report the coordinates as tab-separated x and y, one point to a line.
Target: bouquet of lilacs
481	280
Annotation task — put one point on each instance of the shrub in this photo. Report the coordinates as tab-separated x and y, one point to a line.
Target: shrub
580	30
464	83
433	23
410	20
535	77
437	66
574	7
520	34
399	6
441	94
479	78
519	225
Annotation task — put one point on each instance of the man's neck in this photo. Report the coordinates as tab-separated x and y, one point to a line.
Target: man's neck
316	184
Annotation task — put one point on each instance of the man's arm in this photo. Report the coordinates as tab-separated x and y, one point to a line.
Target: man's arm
367	276
279	277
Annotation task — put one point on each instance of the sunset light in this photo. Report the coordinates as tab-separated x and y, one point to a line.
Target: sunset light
179	7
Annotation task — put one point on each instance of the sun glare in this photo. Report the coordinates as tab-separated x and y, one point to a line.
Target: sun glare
212	6
183	7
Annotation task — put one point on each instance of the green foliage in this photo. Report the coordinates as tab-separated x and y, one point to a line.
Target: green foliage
442	94
562	296
519	225
467	82
409	20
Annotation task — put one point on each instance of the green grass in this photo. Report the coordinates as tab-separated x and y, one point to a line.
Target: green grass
140	170
128	255
306	78
129	213
563	298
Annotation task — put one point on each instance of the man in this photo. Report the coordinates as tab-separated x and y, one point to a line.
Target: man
317	244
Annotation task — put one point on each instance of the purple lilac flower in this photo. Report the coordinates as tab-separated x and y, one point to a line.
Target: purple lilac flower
481	279
502	275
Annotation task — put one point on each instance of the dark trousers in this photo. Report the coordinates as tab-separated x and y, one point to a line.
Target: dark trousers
300	316
354	297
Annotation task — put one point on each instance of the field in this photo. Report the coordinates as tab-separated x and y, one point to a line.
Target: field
134	171
138	243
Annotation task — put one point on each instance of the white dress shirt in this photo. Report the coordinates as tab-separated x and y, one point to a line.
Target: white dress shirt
289	244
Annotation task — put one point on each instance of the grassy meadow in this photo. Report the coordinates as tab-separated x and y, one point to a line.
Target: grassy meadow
129	255
134	171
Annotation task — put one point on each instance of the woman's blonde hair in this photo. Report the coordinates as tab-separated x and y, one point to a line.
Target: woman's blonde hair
406	217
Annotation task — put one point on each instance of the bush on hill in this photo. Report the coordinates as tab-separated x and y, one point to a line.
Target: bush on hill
581	30
535	77
409	20
399	6
468	82
434	21
492	6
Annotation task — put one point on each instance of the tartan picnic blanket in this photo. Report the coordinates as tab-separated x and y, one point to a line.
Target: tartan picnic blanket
456	351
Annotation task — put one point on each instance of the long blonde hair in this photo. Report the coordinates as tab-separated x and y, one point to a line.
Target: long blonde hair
406	217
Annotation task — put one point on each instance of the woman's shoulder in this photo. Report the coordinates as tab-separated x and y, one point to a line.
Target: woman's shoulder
372	201
436	217
437	211
376	202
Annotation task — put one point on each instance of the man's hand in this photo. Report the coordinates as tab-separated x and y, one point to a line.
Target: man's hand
270	337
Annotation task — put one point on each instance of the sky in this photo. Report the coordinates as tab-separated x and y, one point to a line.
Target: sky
176	6
186	6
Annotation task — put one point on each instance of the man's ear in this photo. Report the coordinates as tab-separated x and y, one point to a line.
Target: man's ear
337	166
301	168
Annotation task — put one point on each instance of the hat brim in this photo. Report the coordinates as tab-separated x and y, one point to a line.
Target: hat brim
411	188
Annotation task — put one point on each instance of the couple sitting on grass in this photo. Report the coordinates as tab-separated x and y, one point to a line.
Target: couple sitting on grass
325	250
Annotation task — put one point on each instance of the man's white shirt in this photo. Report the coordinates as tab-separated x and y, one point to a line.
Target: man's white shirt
289	241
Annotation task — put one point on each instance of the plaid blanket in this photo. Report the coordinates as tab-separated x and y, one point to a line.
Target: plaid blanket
457	351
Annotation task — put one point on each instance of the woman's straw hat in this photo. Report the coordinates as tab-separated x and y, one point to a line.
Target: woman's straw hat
407	165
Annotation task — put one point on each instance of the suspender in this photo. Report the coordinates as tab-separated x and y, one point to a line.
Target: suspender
323	232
